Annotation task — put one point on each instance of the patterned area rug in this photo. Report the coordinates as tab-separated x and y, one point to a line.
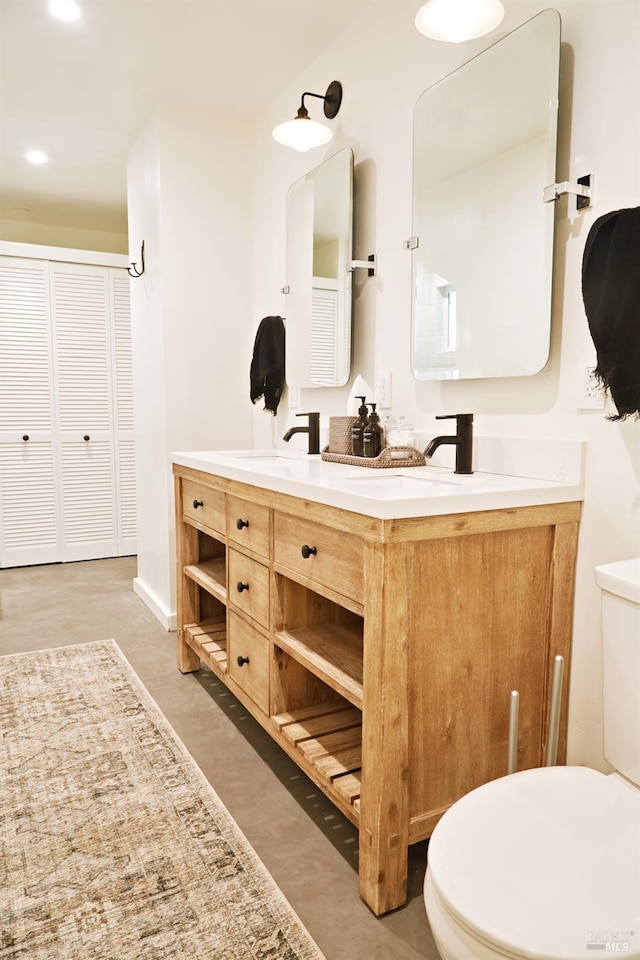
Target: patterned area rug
113	846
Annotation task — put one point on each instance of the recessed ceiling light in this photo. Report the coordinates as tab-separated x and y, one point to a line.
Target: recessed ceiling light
455	21
36	156
64	9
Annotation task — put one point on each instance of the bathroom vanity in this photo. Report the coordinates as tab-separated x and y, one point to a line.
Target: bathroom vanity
375	622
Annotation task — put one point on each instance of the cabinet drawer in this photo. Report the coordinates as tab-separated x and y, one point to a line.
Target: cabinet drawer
333	558
249	660
203	504
249	586
248	524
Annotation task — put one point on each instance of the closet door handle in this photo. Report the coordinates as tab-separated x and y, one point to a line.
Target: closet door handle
25	437
307	551
242	660
240	586
241	523
86	437
197	503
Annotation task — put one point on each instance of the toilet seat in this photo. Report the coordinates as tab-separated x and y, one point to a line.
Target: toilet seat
543	864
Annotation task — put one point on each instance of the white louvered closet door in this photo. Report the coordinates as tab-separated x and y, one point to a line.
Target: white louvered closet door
123	412
29	504
80	298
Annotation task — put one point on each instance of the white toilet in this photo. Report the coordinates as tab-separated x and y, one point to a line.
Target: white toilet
544	864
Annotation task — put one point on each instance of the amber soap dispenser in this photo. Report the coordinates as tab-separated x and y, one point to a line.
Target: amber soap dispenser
358	428
372	439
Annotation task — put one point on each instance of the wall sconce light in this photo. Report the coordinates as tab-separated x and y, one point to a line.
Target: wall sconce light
458	20
302	133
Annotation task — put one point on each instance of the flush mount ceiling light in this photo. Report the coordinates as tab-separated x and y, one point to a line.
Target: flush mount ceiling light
458	20
302	133
36	156
64	9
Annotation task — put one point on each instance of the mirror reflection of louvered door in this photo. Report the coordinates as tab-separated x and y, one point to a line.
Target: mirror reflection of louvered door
30	529
327	350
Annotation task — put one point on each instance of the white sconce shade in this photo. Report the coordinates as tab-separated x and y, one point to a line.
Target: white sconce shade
302	134
455	21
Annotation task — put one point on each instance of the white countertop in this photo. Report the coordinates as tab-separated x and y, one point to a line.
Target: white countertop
385	493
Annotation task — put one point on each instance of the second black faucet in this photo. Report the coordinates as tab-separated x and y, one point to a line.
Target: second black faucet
462	440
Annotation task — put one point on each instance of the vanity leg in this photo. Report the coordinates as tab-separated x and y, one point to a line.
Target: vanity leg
561	622
188	660
384	811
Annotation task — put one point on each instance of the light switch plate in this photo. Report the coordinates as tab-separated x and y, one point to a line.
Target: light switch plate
592	395
294	398
383	390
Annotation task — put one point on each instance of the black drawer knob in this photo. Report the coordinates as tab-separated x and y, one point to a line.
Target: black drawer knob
25	436
307	551
241	586
241	523
197	503
86	437
241	661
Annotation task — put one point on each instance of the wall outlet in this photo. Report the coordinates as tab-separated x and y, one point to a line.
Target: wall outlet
592	396
383	390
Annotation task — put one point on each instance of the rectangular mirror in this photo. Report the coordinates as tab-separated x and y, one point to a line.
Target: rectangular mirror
484	150
319	251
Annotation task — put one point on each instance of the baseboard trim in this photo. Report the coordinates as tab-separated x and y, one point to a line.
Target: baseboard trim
168	620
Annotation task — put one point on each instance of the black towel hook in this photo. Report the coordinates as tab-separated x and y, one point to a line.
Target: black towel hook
133	269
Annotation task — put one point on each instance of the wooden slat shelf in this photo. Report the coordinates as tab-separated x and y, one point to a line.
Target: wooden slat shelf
349	785
329	736
209	640
331	651
211	576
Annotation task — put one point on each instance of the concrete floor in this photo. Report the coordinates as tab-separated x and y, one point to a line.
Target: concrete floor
309	848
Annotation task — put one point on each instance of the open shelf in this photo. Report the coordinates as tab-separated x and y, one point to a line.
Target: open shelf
211	576
329	737
332	652
209	640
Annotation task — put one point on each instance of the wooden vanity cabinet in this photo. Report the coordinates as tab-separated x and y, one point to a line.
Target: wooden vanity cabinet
380	654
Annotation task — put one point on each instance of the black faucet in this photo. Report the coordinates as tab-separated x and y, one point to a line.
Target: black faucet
312	428
463	441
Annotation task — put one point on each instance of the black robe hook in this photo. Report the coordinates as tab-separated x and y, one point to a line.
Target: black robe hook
133	269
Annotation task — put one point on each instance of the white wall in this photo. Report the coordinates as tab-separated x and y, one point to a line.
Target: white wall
56	235
191	315
384	65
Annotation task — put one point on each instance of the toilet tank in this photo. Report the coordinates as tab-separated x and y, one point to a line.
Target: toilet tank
620	585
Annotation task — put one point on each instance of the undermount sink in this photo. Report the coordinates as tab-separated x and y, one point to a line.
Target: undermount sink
435	475
390	486
262	455
262	458
474	480
395	485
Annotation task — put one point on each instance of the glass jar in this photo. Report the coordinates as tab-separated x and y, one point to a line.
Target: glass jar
399	434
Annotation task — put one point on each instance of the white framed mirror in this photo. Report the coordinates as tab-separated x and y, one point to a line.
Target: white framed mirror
484	150
319	279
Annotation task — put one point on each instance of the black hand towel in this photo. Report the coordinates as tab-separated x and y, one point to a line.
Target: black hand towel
267	363
611	294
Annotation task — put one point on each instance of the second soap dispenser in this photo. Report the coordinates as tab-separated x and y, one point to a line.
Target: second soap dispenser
358	428
372	438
